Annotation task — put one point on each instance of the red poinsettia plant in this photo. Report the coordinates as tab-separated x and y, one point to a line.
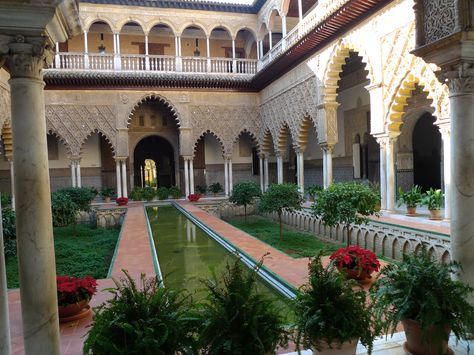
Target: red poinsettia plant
355	261
75	289
121	201
194	197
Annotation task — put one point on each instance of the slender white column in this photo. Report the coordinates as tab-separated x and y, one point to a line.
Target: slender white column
231	184
186	177
300	10
226	177
325	182
258	51
191	175
445	130
179	62
5	345
234	62
57	58
12	182
283	26
119	178
73	173
124	178
279	169
118	44
34	229
147	59
383	141
261	48
390	161
301	172
141	176
78	172
270	40
327	165
86	51
117	60
266	173
262	185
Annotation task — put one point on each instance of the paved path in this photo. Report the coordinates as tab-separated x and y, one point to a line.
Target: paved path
134	255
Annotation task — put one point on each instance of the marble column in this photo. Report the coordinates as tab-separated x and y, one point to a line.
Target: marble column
226	176
208	54
327	164
26	57
390	175
186	177
279	169
301	171
461	99
300	10
231	183
86	51
260	165
5	345
73	173
179	62
124	178
445	130
191	175
266	172
118	177
78	174
12	182
117	59
382	141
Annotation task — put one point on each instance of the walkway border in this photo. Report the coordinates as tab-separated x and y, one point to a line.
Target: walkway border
154	255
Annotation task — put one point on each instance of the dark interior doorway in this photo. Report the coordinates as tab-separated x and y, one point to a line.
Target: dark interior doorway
161	152
426	141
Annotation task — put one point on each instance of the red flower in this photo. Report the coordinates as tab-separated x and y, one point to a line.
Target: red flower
73	289
194	197
356	258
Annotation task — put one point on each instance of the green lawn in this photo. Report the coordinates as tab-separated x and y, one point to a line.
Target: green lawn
296	244
79	252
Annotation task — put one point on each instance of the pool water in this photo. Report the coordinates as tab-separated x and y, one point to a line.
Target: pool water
187	255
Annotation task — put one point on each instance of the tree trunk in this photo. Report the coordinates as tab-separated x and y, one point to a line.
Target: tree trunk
281	227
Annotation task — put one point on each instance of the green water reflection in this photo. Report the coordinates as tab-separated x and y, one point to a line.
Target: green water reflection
186	254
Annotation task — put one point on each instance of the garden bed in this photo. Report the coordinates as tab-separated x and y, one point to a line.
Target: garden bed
295	243
80	251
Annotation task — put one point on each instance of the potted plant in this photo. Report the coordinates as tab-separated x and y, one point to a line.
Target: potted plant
331	314
237	318
356	263
74	294
313	191
148	193
201	189
194	197
215	188
140	319
162	193
411	198
422	294
107	194
346	203
175	192
121	201
245	193
433	200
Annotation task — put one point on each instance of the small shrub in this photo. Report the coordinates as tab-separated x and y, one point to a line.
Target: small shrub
245	193
64	209
9	231
162	193
6	200
148	193
433	199
137	194
81	196
411	198
175	192
107	192
238	319
313	191
202	189
145	319
215	188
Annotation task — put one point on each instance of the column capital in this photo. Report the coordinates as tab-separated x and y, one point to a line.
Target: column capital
120	159
327	147
459	78
445	129
227	156
26	56
187	157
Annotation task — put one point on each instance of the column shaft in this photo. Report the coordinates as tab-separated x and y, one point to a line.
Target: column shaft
5	345
86	51
301	172
383	174
270	40
78	174
119	178
280	169
73	173
300	10
37	266
186	177
12	182
390	161
124	178
191	176
226	177
260	166
327	165
446	136
266	173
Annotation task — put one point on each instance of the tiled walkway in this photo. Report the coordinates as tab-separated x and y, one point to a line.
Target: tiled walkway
134	255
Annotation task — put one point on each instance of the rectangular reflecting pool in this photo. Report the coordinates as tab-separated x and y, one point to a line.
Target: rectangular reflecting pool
186	255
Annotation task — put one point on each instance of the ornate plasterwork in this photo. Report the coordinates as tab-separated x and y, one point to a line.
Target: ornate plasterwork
290	108
152	96
5	107
73	124
437	20
224	122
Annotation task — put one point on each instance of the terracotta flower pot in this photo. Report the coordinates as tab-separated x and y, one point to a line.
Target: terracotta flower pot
71	311
435	215
435	343
411	211
107	199
347	348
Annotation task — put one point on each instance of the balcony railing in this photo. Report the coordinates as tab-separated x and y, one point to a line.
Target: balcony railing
160	63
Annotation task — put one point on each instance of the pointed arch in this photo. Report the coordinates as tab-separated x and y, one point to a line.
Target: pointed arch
61	139
211	133
304	128
267	142
282	139
252	136
155	97
103	134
